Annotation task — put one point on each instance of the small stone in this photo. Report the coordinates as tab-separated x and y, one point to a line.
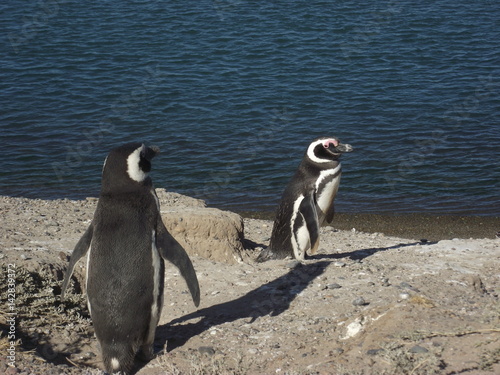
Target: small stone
208	350
418	349
404	295
405	285
252	351
23	257
339	264
334	286
337	351
360	301
374	351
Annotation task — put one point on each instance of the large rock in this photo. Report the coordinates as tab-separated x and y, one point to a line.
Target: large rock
203	231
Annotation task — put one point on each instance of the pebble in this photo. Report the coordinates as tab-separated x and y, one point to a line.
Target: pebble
404	295
374	351
405	285
339	264
418	349
334	286
360	301
208	350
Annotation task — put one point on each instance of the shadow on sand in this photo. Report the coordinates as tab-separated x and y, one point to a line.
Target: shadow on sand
272	299
365	253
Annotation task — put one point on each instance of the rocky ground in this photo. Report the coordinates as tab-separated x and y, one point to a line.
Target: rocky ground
367	303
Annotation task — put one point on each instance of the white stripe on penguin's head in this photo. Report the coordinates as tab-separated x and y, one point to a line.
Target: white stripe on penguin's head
133	165
323	141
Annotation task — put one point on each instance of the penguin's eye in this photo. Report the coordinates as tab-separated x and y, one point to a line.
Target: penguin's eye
326	145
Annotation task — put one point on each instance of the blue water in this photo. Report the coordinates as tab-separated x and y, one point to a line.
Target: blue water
233	92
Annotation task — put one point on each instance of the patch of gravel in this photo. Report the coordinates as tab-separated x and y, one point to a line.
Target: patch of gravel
428	307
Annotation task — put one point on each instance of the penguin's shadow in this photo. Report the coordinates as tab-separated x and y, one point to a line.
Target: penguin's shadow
365	253
272	299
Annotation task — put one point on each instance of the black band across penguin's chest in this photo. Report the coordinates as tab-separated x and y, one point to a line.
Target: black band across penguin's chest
326	187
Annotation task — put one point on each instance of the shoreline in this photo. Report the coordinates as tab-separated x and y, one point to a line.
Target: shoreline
416	226
411	226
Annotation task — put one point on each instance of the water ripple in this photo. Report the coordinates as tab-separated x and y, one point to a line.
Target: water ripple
233	92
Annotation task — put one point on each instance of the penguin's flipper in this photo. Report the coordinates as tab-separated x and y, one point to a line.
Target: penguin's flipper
79	251
172	251
330	213
308	211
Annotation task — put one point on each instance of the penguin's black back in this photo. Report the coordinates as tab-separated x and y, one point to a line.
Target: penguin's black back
120	279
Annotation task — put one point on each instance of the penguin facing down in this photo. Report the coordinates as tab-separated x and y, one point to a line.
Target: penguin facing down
126	245
307	202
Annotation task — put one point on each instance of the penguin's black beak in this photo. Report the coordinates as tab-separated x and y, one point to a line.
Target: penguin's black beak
343	147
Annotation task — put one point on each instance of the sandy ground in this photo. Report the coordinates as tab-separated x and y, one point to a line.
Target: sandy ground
367	303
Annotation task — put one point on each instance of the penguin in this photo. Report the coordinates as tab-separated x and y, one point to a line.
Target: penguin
126	245
307	202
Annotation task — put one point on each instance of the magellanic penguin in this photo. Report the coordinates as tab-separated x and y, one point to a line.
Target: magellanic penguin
307	202
126	244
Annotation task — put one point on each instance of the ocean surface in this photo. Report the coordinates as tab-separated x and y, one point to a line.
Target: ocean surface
233	92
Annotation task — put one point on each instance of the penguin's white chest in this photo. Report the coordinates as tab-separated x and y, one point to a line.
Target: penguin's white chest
327	186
